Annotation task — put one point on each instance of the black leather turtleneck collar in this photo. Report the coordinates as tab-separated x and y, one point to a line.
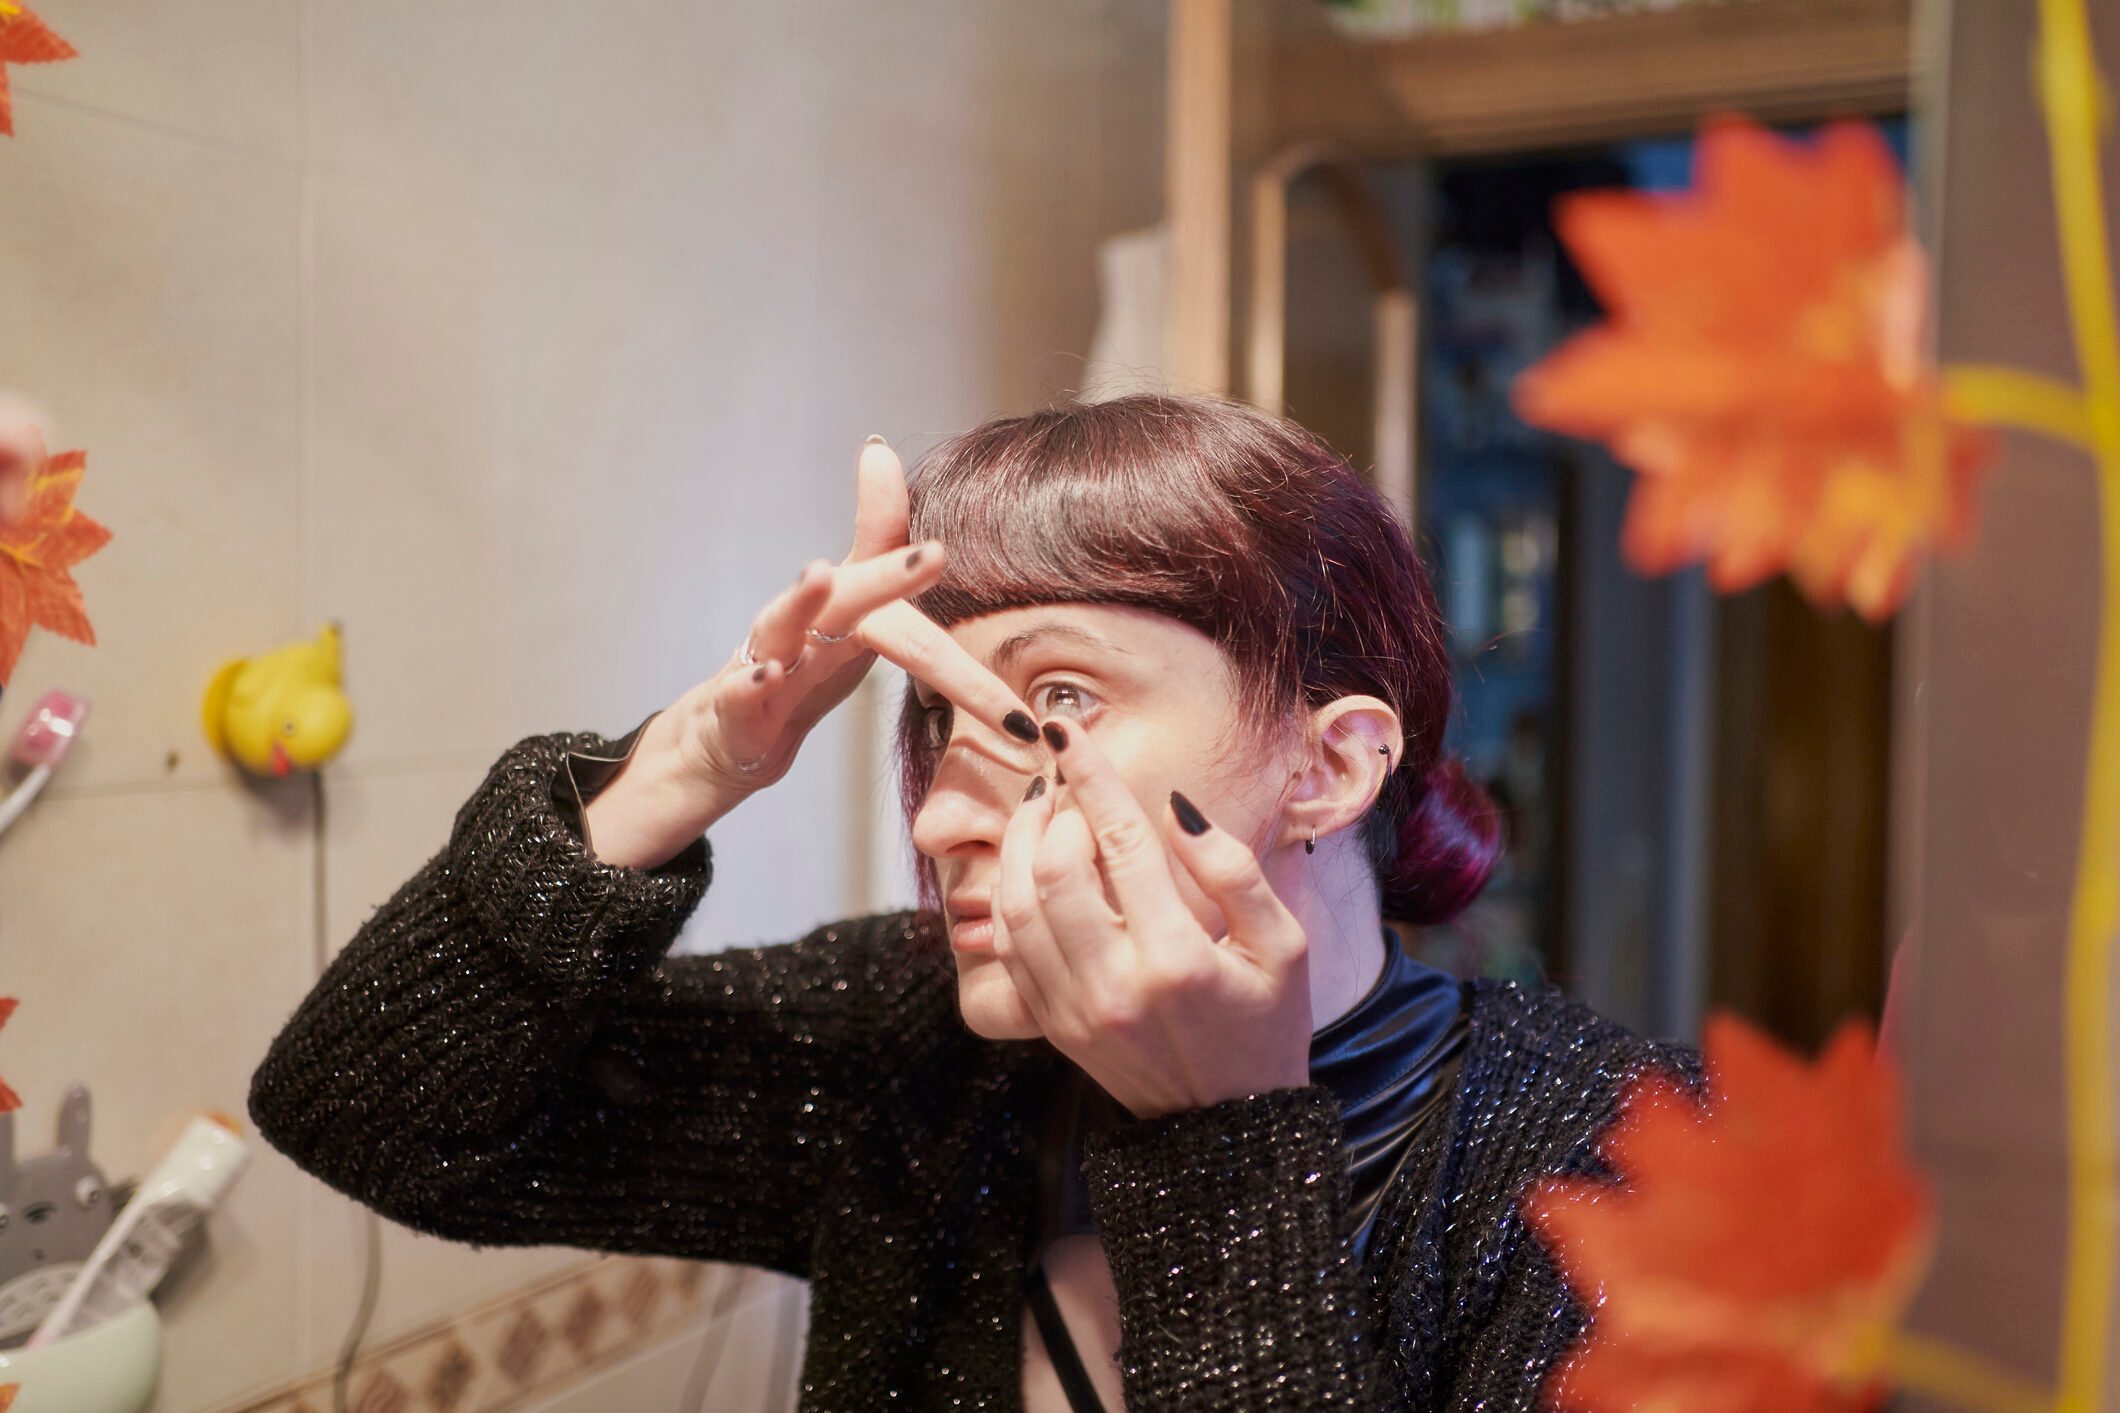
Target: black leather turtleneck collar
1391	1061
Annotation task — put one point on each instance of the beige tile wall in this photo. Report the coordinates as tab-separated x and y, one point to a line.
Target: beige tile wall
532	341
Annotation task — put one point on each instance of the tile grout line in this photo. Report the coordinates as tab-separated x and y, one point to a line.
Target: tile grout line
306	169
225	146
403	768
306	1283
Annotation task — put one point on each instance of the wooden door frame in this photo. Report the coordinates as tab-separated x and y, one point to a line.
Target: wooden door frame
1249	79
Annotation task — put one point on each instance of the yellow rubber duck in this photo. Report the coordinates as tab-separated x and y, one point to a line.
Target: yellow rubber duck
280	711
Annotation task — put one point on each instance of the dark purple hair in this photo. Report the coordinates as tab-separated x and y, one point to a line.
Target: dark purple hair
1249	529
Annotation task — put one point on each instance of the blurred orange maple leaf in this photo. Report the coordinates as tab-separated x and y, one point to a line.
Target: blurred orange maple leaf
8	1098
1761	366
1759	1252
36	552
24	39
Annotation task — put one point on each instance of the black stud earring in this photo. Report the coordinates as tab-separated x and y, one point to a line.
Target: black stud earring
1310	845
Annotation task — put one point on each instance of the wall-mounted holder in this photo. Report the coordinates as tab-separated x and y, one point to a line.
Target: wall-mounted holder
111	1368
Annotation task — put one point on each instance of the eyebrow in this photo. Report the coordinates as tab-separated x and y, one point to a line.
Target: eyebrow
1015	645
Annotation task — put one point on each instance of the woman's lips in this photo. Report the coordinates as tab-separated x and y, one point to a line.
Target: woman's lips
972	934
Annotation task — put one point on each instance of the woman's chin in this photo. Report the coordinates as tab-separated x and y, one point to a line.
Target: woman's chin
993	1008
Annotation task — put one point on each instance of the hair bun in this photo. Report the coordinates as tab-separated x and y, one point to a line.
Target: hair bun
1449	844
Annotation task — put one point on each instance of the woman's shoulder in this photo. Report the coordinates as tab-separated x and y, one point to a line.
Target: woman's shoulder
1543	1077
889	951
1541	1033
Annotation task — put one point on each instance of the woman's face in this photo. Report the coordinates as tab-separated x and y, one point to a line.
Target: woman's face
1160	699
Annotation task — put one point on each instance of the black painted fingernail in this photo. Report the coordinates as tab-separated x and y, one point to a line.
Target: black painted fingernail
912	561
1189	817
1020	725
1055	736
1037	788
758	674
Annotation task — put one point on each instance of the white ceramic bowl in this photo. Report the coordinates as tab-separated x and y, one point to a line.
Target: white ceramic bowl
109	1369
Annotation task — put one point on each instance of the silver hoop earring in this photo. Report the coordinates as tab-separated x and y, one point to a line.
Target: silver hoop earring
1310	845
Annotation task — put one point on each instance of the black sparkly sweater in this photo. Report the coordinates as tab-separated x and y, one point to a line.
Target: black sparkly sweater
504	1054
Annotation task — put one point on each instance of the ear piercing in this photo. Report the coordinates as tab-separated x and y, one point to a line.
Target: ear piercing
1310	845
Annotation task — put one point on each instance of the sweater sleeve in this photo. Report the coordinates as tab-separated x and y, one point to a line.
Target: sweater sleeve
1237	1290
504	1054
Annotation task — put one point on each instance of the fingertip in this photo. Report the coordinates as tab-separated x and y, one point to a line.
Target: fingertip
1188	815
876	455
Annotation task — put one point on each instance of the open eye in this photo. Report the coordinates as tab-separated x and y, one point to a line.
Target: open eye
935	720
88	1192
1061	699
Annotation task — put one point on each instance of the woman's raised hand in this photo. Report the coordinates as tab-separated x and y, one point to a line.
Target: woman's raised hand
807	651
1120	975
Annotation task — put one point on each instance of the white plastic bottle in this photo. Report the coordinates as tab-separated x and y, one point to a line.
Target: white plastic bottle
137	1251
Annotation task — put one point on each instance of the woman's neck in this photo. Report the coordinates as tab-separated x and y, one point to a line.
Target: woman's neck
1333	894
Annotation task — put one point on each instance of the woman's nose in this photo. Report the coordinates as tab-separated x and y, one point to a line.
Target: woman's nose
967	806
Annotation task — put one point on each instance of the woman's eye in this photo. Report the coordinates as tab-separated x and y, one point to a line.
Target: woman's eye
1062	699
935	725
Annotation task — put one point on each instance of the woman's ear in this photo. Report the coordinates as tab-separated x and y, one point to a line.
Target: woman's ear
1355	743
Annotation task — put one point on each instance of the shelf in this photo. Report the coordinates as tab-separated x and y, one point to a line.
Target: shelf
1563	83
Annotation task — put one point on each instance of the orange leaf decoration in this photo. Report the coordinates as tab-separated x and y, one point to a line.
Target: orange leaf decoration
1757	1253
8	1098
1761	367
24	39
36	552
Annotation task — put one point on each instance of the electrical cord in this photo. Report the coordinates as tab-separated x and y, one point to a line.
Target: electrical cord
371	1285
372	1260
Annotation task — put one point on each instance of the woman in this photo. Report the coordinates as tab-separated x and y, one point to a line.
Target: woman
1147	1108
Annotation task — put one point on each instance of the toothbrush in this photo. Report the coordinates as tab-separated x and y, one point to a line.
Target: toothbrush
137	1251
42	743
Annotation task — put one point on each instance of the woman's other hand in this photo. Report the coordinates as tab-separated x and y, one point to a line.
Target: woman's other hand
809	648
1121	976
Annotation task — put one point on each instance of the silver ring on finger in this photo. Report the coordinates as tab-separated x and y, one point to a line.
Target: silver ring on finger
750	659
816	636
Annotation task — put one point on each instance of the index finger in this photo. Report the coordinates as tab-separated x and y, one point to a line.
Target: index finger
881	503
1127	841
903	634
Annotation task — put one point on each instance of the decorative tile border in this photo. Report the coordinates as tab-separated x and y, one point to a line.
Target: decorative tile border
532	1341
